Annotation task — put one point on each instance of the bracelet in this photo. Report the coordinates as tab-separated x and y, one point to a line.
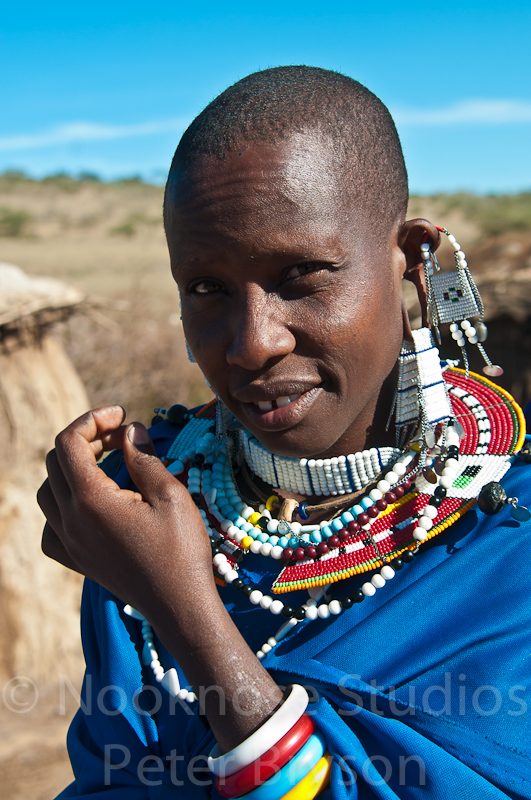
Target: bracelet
267	735
270	763
292	773
313	782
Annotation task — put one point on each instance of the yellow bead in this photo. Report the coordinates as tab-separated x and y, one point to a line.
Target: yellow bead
272	502
253	519
247	542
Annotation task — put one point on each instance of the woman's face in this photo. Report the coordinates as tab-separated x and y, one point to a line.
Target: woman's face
291	303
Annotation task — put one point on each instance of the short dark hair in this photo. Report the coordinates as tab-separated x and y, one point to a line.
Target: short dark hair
271	105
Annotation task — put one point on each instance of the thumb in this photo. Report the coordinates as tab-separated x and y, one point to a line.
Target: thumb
145	468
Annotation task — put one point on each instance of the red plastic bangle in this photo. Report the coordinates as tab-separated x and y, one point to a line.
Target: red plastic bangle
270	763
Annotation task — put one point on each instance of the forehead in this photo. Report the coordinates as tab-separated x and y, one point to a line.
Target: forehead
261	191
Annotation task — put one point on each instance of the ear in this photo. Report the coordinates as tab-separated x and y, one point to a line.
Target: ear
410	236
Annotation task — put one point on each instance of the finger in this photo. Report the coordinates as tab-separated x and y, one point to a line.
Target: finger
111	441
54	549
75	447
49	507
57	481
146	469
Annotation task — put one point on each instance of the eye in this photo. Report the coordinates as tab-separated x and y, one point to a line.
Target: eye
205	287
306	268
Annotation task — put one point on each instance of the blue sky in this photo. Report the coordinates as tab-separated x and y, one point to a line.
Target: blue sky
108	87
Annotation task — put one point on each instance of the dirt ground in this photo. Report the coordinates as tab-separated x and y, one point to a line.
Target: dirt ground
34	763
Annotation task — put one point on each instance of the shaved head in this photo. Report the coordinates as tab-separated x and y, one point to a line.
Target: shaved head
277	104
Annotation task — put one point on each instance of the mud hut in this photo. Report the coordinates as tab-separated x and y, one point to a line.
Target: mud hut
40	392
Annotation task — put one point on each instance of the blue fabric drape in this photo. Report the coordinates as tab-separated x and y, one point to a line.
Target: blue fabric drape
421	691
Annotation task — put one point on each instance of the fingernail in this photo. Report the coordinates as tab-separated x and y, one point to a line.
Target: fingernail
138	435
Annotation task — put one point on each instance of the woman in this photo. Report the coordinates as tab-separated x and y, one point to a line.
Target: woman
332	456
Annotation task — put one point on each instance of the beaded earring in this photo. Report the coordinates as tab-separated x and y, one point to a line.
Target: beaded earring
421	394
452	297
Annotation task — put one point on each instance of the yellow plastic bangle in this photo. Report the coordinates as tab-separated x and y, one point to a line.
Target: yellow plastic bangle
310	786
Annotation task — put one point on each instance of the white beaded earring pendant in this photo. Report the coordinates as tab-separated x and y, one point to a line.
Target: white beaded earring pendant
453	297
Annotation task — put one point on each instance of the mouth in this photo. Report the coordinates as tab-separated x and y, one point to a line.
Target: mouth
277	412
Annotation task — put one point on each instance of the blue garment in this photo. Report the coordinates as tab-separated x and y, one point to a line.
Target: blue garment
421	691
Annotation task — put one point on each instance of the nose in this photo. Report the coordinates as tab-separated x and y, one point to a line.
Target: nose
259	330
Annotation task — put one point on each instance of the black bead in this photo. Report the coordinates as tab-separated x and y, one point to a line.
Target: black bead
299	613
238	583
178	414
287	611
262	523
215	551
346	603
397	564
440	491
237	555
407	556
156	419
492	498
195	496
197	460
246	589
357	596
525	455
435	501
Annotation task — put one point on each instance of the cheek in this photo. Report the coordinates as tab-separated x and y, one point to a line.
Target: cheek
362	334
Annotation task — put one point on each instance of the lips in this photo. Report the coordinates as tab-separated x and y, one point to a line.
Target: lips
282	411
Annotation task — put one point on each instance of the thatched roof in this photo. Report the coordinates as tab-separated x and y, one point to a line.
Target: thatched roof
26	297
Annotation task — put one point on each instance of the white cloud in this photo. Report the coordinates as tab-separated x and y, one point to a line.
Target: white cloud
74	132
468	112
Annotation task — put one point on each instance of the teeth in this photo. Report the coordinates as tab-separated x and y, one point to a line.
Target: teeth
279	402
283	401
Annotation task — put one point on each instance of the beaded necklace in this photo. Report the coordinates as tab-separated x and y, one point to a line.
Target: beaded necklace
422	491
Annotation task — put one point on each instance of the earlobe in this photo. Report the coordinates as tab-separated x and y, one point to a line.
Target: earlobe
412	234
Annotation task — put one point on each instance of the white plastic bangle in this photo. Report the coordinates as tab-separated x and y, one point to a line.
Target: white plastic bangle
267	735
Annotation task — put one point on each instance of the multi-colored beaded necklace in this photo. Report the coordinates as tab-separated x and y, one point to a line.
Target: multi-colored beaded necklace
419	493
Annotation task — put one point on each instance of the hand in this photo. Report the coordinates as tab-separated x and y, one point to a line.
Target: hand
151	549
147	548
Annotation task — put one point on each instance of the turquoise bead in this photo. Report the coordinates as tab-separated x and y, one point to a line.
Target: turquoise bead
346	517
246	527
263	537
316	537
337	524
326	532
366	503
357	510
293	542
283	541
306	538
273	540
